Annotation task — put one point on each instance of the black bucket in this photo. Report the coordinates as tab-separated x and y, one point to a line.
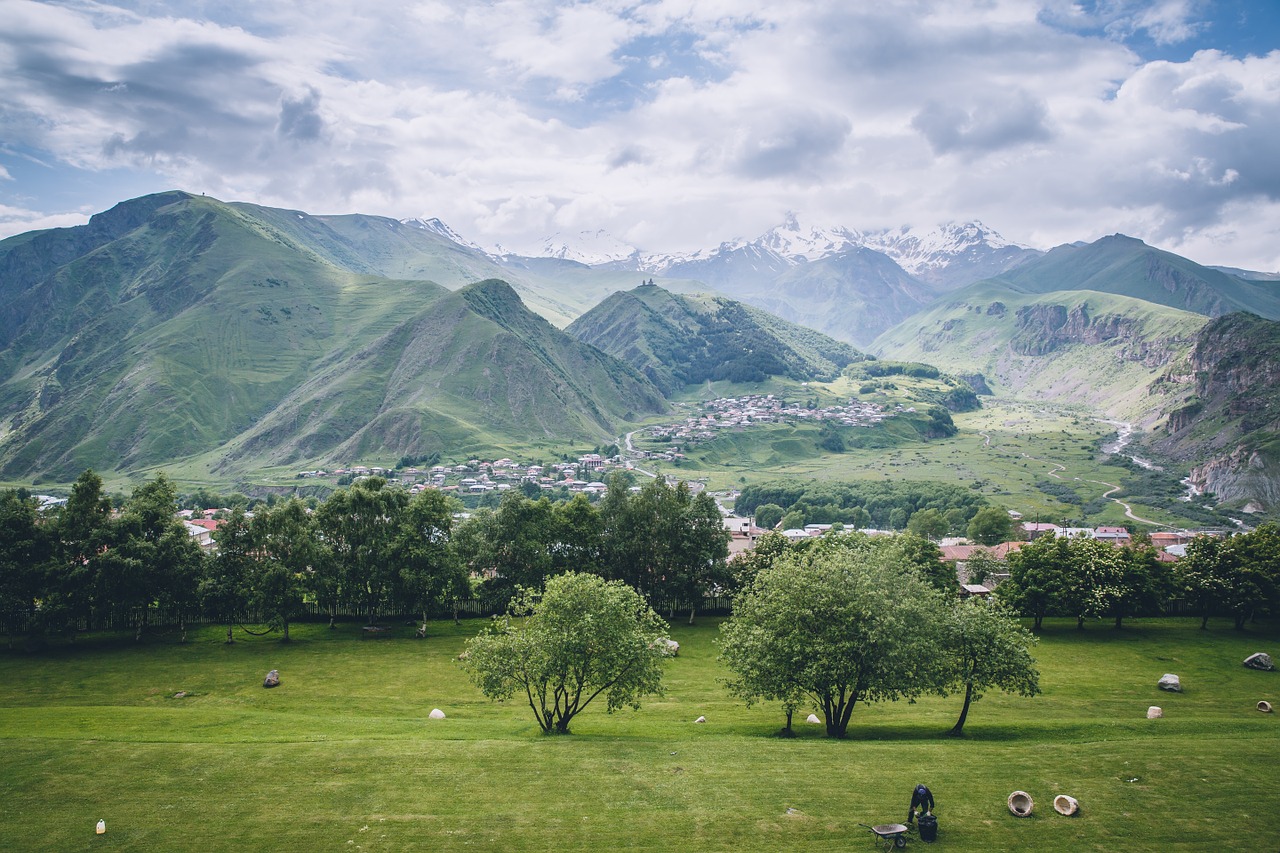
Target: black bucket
928	828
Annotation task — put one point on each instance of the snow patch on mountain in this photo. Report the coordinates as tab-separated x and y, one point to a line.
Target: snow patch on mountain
920	253
593	248
435	226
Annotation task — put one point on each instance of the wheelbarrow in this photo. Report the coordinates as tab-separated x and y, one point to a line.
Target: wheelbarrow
892	834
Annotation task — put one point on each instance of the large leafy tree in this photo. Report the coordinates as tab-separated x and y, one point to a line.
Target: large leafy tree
288	553
990	525
1203	578
510	547
359	525
1038	574
839	625
429	568
153	558
986	647
82	533
226	588
580	638
25	550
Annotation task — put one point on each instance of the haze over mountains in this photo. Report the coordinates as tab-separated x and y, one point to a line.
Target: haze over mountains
180	327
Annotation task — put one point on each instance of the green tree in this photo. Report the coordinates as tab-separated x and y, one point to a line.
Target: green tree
1038	574
1142	585
359	524
768	516
990	525
578	536
226	588
1202	577
793	520
290	552
929	523
839	625
153	556
581	637
82	532
429	567
986	647
25	551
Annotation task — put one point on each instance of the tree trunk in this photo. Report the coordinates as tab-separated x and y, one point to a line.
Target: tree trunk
1118	620
1204	622
286	630
786	730
331	615
1240	617
230	638
1079	623
1038	623
693	608
958	729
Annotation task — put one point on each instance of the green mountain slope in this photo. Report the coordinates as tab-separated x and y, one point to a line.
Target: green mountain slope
178	326
1129	267
1085	347
683	339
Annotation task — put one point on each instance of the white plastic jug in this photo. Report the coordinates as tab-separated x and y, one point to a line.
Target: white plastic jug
101	828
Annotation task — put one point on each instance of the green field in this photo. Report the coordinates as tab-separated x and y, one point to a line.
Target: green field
342	755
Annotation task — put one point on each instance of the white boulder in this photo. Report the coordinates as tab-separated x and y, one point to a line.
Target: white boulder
1170	682
1154	712
813	718
436	714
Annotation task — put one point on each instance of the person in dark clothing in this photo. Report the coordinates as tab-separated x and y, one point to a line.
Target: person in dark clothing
921	798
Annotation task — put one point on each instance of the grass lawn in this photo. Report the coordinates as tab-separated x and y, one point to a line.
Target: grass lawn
343	757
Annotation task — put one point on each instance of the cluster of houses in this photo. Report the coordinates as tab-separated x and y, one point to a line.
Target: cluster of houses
586	475
740	412
1169	545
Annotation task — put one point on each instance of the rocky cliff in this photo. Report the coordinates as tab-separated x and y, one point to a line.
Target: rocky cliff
1227	420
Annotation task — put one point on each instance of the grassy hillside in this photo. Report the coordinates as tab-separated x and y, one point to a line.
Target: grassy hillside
179	327
1084	347
1129	267
342	755
678	340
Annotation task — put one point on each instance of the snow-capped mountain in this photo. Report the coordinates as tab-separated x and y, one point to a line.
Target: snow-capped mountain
435	226
948	256
593	248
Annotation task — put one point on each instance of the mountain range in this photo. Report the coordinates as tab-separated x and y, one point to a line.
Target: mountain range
239	337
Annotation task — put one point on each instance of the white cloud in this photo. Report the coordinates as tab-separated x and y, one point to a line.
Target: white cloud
676	123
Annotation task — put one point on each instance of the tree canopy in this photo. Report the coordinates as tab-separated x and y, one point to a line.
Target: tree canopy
579	638
846	622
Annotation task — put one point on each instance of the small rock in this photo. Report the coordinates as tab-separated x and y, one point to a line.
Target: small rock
181	694
1169	682
1264	706
1154	712
272	679
436	714
672	648
1259	660
701	720
813	718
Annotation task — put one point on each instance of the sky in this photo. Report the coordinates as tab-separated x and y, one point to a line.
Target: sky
674	125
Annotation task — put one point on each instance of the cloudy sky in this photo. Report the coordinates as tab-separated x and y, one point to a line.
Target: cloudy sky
673	124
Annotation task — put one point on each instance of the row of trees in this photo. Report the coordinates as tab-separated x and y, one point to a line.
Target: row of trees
370	549
1237	577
